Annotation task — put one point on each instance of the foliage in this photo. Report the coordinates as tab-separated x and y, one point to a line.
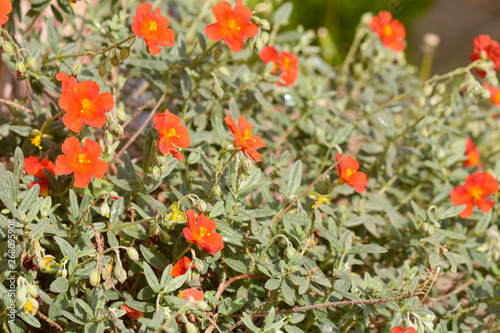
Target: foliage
302	250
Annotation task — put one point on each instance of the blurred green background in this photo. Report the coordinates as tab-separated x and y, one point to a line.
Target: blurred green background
456	22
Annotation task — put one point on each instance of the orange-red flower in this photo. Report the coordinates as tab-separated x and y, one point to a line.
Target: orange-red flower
476	191
402	330
200	231
132	313
172	134
494	93
486	48
68	82
197	295
391	32
348	173
33	167
153	27
286	62
84	162
83	104
472	153
244	139
5	9
232	25
181	267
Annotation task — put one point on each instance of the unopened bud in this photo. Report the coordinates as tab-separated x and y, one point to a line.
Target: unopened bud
118	129
77	67
223	70
440	88
120	273
20	67
260	7
202	305
7	48
113	195
120	114
427	90
102	70
62	272
115	62
32	290
366	18
132	253
124	53
156	172
202	206
104	210
154	230
190	328
31	63
216	191
164	237
198	264
94	278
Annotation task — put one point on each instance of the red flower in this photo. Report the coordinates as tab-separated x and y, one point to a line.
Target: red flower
494	93
232	25
172	134
84	162
485	48
201	232
5	9
68	82
197	295
348	172
391	32
33	167
181	267
244	138
286	62
153	27
132	313
402	330
476	191
472	152
83	104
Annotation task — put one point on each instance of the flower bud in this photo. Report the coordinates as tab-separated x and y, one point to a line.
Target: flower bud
202	206
260	7
216	191
113	195
198	264
31	63
120	273
77	67
164	237
202	305
290	252
427	90
102	70
190	328
366	18
20	68
120	114
104	271
132	253
94	278
440	88
62	272
156	173
154	229
104	210
7	48
118	129
223	70
21	296
115	62
124	53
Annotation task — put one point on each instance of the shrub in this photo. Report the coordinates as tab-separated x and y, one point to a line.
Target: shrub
272	192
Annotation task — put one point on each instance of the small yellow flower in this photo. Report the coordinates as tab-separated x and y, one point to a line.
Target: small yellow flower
37	140
176	216
31	306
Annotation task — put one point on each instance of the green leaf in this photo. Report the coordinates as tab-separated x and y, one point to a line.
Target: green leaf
30	198
175	283
66	249
151	278
295	179
369	248
282	14
272	284
18	162
52	36
60	285
288	293
185	84
237	265
248	323
74	209
38	228
450	234
451	212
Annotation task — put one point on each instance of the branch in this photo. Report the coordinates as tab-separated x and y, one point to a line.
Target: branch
239	277
335	304
15	105
307	190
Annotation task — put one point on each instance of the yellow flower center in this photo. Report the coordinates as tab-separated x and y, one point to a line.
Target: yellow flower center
47	261
153	26
28	307
175	216
172	133
83	159
37	141
181	295
203	232
349	173
232	25
496	98
247	135
85	104
387	30
476	192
